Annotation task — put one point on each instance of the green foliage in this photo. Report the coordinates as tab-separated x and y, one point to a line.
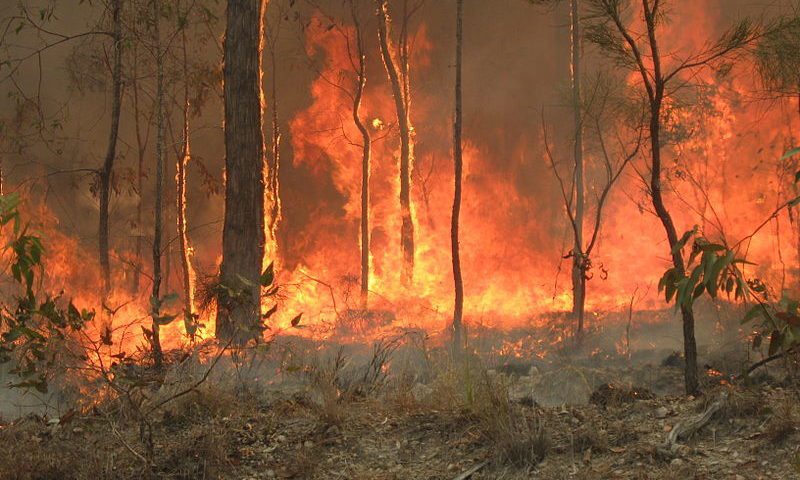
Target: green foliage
33	327
714	268
778	58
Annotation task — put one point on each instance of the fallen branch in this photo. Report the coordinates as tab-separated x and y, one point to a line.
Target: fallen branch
472	471
687	428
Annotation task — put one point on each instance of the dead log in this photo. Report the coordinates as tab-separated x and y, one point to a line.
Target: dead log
686	428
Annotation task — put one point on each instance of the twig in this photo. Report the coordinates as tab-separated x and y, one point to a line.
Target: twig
196	384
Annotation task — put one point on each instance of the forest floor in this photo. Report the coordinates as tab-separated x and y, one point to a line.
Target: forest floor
378	417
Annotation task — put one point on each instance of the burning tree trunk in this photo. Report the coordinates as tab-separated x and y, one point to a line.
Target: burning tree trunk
613	34
104	175
180	197
458	310
578	257
273	160
155	298
243	233
406	145
366	150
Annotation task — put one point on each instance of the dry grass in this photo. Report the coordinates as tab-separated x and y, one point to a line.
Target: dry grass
783	422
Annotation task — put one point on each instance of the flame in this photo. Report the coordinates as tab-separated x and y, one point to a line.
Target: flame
512	242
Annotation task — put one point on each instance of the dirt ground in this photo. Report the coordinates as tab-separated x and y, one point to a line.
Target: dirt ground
401	411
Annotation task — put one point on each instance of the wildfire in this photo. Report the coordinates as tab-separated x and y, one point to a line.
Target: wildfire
724	169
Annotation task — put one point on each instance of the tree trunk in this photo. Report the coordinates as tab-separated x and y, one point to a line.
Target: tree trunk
687	314
155	298
180	197
104	176
406	145
458	310
365	160
578	259
243	233
273	167
141	149
656	100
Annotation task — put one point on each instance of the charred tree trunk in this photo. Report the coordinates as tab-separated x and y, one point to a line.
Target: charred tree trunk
458	310
155	299
180	197
104	175
406	145
656	100
579	257
366	151
243	233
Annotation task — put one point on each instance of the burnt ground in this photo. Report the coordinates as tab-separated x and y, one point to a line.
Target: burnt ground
310	411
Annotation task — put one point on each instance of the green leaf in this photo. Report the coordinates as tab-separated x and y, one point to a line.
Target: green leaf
270	312
268	276
712	281
775	342
682	242
791	153
296	320
12	334
164	319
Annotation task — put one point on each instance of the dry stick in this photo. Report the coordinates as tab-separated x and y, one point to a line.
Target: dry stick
688	427
471	471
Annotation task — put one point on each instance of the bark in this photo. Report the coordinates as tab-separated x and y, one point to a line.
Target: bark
243	233
458	310
104	175
159	190
579	258
180	196
273	167
141	148
361	81
656	101
406	145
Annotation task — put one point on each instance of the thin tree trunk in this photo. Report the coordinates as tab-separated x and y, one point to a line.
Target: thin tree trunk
578	259
406	145
159	190
141	149
365	159
243	233
687	314
108	163
458	310
180	196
